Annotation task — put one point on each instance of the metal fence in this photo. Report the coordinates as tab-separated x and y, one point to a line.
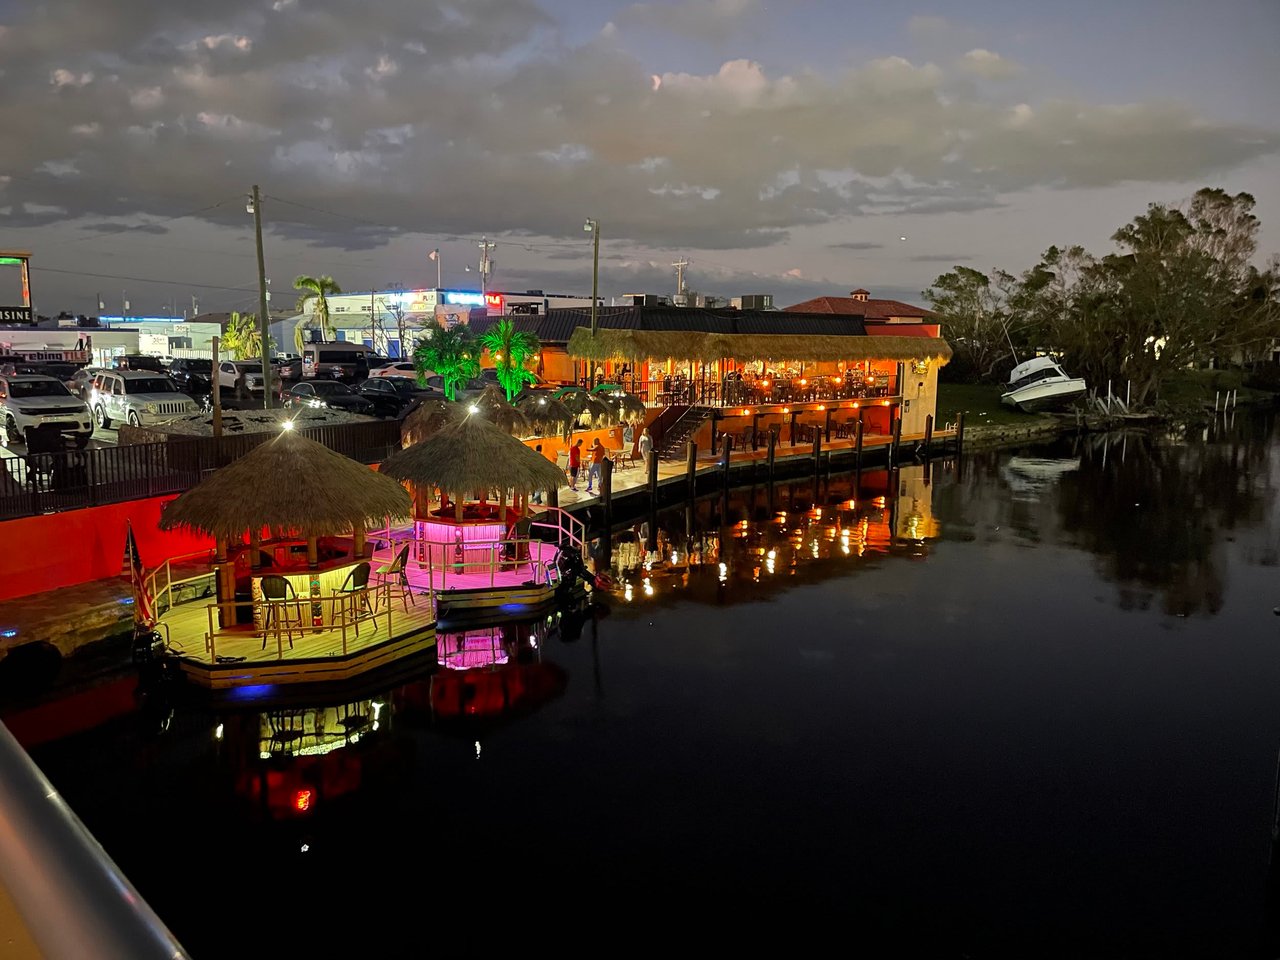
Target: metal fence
39	483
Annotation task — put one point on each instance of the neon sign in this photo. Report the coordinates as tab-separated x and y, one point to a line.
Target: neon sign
493	301
466	299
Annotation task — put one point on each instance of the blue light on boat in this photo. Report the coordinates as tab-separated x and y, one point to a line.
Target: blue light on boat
126	601
251	692
513	607
10	632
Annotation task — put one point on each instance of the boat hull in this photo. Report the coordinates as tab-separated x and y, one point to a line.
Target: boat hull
1045	395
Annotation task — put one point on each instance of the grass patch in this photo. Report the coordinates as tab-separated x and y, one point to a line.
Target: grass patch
980	403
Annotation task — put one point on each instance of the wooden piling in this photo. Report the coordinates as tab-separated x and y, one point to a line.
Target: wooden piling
959	433
724	469
817	463
606	500
928	434
653	475
897	439
773	448
857	447
691	467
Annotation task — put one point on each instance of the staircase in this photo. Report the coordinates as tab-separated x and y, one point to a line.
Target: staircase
671	445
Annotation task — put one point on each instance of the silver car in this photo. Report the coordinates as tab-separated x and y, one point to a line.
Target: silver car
44	404
137	397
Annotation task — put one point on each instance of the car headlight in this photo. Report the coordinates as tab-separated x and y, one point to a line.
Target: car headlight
149	407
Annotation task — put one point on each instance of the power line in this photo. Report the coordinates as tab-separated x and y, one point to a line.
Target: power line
116	276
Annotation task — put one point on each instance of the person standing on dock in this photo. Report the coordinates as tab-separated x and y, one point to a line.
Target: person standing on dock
597	458
646	449
575	464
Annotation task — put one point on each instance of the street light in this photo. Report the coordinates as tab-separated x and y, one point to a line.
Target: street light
593	227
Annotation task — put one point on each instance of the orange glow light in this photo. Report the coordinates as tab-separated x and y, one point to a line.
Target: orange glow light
786	409
746	413
855	406
804	383
764	383
886	403
837	381
822	406
302	800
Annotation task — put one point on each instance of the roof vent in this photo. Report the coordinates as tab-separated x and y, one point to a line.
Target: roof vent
860	294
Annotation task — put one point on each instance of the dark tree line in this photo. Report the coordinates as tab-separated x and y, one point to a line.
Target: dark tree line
1180	290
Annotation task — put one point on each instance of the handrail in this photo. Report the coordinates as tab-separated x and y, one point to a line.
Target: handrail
74	899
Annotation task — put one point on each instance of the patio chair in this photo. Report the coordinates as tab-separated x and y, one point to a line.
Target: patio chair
395	577
283	608
355	593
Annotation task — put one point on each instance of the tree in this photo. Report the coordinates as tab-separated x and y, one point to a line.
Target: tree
452	353
512	350
974	320
242	339
318	289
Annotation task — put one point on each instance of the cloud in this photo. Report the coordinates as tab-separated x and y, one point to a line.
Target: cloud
507	126
856	245
988	65
940	258
106	226
707	20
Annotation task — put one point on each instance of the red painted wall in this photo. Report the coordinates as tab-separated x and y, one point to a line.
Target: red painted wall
63	549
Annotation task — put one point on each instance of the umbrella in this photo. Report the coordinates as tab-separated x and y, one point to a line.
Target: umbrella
289	484
546	414
494	407
428	417
628	405
473	454
582	404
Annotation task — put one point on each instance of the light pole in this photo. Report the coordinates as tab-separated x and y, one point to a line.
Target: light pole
593	227
435	255
264	321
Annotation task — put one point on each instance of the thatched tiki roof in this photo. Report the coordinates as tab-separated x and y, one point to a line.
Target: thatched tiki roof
292	485
546	414
495	408
473	455
640	345
428	417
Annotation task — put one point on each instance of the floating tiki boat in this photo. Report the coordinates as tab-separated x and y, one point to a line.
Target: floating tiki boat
299	602
478	547
1040	384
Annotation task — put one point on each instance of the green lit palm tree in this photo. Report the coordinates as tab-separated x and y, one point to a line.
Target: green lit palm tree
511	350
452	353
318	289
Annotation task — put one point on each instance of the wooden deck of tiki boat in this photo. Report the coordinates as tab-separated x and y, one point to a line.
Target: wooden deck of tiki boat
304	639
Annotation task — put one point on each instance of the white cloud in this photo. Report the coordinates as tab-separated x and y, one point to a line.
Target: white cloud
87	129
66	78
991	66
385	67
146	98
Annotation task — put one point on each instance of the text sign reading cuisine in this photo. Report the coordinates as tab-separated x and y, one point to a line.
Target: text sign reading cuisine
15	314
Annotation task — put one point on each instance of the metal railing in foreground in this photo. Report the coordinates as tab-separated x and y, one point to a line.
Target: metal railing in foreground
74	900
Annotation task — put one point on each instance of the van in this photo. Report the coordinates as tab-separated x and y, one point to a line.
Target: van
336	361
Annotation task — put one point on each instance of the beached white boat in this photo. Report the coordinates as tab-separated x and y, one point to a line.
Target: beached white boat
1040	384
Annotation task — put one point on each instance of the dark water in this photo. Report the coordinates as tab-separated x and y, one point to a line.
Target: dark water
1030	706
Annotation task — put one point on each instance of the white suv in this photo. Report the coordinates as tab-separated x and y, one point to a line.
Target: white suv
36	403
137	397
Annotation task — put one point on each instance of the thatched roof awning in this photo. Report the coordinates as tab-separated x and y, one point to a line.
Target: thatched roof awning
472	455
813	349
641	345
292	485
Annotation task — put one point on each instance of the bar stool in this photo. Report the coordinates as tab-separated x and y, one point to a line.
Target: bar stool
281	600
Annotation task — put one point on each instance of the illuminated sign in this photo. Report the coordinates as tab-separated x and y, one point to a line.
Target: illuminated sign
20	312
467	299
15	314
493	301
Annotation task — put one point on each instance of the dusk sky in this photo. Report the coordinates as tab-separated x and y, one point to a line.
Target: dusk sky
779	147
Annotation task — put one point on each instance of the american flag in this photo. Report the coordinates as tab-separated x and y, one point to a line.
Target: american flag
433	255
143	611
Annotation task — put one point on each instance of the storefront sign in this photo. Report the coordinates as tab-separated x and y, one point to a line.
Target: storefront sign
15	314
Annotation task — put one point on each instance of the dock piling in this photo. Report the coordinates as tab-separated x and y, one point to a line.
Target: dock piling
773	448
606	499
817	463
691	467
928	434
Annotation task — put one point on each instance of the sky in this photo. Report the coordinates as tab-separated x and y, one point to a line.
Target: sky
797	148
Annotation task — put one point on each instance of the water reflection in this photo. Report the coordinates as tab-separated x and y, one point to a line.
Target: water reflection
764	540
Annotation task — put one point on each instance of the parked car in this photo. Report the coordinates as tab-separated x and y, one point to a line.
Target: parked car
468	391
287	366
229	372
39	404
396	368
183	368
81	382
137	397
327	393
392	396
138	361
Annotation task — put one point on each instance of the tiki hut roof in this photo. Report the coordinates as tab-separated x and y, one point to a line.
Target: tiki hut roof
640	345
290	484
470	455
545	413
585	405
495	408
428	417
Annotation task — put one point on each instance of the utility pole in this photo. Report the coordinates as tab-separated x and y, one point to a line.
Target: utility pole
680	265
264	321
593	227
215	392
486	265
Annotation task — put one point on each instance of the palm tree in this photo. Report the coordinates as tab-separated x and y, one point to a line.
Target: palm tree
511	350
318	289
242	339
452	353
